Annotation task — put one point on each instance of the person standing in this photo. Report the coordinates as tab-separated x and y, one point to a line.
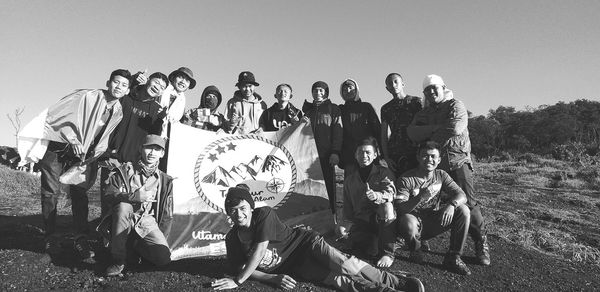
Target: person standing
399	152
206	116
360	121
245	107
326	123
77	129
444	120
282	113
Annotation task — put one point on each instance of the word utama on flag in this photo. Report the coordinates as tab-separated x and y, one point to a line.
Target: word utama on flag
281	169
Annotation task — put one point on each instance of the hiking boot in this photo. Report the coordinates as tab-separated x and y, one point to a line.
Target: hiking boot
482	251
425	245
416	256
83	248
115	269
455	264
52	245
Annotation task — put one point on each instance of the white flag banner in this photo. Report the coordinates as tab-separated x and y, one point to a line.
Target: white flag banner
281	169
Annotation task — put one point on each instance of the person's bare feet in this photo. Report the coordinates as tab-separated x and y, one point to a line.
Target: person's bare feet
385	261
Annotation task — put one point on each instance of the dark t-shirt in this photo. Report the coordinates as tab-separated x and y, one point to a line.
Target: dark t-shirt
286	244
440	185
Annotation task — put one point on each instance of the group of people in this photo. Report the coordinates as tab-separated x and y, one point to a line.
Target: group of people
392	184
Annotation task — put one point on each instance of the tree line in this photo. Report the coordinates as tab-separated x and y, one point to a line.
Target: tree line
563	130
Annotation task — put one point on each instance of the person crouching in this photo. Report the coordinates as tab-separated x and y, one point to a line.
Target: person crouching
141	197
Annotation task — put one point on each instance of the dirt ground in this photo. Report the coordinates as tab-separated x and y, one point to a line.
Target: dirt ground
25	267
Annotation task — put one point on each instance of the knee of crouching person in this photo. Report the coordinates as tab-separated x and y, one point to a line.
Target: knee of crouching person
408	225
462	211
122	209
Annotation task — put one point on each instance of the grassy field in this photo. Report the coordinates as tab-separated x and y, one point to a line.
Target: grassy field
548	205
541	217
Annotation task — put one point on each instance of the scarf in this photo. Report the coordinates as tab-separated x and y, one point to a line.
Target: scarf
146	170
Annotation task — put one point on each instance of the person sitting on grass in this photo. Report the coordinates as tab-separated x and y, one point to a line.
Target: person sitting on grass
261	247
141	197
368	194
429	203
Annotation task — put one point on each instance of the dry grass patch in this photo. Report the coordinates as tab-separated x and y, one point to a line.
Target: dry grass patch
543	204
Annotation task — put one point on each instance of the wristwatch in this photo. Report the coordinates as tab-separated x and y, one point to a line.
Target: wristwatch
454	203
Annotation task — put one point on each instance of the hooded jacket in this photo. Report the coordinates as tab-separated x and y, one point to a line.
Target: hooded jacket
243	115
190	118
360	121
326	123
447	124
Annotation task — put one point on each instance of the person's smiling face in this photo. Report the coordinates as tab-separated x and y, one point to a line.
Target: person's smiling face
241	214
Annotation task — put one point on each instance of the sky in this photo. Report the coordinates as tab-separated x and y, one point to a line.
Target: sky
490	53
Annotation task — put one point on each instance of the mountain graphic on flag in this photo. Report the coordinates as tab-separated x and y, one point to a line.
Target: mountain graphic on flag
243	171
219	176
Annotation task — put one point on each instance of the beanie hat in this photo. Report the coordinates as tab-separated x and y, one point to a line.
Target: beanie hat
237	194
323	85
433	80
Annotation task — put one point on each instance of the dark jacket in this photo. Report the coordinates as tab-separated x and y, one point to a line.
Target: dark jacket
274	118
360	121
140	118
190	117
326	122
119	190
447	124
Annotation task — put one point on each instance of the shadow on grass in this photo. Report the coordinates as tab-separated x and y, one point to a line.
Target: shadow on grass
25	233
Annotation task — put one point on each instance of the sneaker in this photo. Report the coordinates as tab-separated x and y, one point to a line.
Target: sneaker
482	251
83	248
416	256
52	245
455	264
425	245
115	269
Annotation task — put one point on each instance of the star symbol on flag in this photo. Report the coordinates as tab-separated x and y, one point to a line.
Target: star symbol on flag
221	149
231	146
212	157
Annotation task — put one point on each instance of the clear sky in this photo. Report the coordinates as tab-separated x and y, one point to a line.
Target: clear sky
490	53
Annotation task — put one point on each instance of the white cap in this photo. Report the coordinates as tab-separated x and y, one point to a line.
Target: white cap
432	80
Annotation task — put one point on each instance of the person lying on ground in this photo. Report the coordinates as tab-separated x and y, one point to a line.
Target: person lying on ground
261	247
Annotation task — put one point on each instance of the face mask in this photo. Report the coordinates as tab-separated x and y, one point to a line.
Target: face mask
211	103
